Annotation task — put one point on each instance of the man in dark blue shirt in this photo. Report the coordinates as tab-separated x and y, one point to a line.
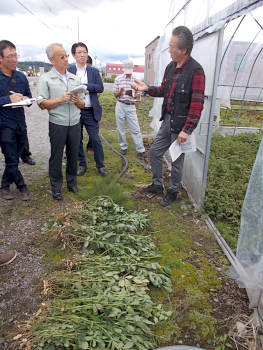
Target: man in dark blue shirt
14	87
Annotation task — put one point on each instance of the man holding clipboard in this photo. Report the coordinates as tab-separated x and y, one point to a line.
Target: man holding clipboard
13	132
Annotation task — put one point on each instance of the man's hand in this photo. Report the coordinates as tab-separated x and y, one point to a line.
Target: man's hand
118	93
16	97
78	102
182	137
75	98
65	97
139	86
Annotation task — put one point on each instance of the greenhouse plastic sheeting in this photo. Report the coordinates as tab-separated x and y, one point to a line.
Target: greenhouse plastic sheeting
248	269
250	240
241	71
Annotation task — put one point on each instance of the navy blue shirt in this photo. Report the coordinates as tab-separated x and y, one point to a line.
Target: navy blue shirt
12	117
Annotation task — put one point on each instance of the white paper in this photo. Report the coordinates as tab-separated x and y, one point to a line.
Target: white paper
188	146
80	89
22	103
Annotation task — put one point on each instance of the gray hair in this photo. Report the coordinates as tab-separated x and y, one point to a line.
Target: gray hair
185	38
49	49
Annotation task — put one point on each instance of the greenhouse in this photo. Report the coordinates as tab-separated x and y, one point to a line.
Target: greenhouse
228	44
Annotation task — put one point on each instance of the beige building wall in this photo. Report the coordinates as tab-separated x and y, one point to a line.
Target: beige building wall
149	74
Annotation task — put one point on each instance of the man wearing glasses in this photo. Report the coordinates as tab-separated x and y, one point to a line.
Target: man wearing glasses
64	115
91	113
14	87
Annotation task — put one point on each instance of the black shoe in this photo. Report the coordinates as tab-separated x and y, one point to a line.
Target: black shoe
74	189
169	198
142	155
103	171
123	151
29	160
6	193
57	196
81	171
154	189
24	195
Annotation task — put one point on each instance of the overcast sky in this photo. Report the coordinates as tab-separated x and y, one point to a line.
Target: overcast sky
113	30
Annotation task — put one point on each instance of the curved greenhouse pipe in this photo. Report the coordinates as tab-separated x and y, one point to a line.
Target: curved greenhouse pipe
242	62
230	41
246	89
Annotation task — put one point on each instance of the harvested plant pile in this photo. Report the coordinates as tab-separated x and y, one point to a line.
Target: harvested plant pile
100	300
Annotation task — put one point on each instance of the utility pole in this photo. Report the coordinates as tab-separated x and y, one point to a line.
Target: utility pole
95	57
78	29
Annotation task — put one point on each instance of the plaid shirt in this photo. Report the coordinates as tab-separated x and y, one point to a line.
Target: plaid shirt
198	88
124	81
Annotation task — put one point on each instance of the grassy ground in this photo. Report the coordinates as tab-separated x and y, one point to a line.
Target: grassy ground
204	301
250	114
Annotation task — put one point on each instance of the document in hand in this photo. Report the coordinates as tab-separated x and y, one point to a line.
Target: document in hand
80	89
22	103
188	146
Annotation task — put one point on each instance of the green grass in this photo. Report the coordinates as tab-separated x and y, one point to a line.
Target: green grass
251	114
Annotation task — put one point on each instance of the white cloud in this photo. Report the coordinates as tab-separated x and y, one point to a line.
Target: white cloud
112	29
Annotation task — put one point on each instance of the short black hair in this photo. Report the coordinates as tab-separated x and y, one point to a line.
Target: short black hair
4	44
89	60
185	38
74	46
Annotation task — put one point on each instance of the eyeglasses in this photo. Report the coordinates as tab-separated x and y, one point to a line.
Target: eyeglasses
80	52
61	57
11	57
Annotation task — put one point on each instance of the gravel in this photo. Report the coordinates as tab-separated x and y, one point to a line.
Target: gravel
20	229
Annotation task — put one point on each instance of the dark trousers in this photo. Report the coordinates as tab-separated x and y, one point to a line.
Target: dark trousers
92	127
60	136
12	145
26	153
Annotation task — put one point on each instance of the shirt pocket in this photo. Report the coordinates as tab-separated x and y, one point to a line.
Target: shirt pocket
57	90
183	95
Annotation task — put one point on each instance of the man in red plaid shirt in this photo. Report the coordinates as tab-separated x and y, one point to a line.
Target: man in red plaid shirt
182	88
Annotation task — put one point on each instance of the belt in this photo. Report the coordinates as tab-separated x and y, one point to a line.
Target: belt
127	103
87	108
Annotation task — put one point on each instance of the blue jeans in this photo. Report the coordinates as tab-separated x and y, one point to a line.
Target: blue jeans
12	144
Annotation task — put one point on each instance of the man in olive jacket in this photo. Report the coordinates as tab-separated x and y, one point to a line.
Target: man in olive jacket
64	115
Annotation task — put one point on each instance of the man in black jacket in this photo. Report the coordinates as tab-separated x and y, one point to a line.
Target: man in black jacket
14	87
182	88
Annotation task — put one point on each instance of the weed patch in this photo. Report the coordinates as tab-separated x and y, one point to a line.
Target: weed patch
230	165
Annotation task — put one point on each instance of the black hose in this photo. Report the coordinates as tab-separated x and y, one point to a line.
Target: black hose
123	157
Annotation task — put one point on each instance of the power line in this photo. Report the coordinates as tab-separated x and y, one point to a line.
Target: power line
55	14
75	6
42	22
